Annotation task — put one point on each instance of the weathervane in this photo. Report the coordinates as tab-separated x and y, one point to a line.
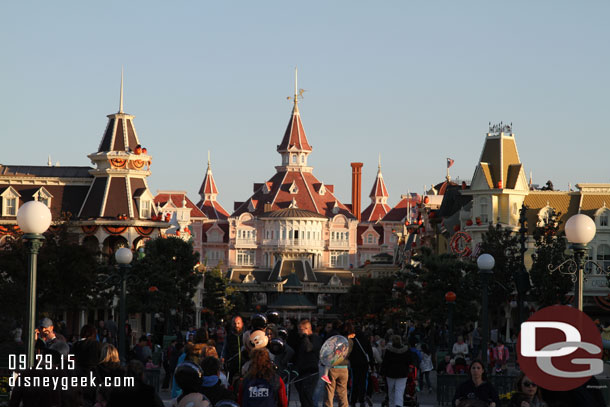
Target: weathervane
500	128
298	93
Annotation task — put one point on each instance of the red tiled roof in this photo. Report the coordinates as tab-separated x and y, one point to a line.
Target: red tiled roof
294	137
307	197
177	198
375	212
213	210
209	185
379	189
398	213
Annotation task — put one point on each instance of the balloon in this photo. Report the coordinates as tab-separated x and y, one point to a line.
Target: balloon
276	346
273	317
258	339
334	350
282	333
188	376
258	322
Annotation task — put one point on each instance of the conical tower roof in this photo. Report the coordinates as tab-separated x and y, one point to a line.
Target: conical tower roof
379	198
208	192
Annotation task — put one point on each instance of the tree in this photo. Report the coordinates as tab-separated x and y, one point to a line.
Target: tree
67	275
503	245
369	296
427	284
549	287
165	278
219	297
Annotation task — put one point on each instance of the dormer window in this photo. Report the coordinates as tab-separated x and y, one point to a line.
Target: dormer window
322	190
10	199
603	219
42	195
370	239
293	188
602	216
294	158
302	158
145	211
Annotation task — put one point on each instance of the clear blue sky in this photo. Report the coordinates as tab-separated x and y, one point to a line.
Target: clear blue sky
416	81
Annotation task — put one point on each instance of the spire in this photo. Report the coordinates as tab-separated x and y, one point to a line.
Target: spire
379	189
294	147
49	162
121	98
208	190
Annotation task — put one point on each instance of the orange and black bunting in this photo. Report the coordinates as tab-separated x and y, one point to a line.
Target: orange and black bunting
144	231
115	230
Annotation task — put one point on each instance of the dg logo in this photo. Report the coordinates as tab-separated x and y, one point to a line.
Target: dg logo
560	348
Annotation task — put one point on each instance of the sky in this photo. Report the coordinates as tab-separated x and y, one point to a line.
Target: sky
413	81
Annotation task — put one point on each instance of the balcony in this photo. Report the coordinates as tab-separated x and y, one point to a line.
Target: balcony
245	242
339	243
292	243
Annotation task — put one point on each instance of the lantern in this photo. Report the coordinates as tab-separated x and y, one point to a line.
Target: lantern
450	296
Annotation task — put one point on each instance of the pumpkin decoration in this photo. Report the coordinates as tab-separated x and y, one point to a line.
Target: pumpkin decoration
168	217
478	221
426	199
456	228
138	149
469	222
144	151
499	184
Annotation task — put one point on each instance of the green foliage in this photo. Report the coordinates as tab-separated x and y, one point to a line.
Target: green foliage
435	275
368	296
67	275
549	287
503	245
165	277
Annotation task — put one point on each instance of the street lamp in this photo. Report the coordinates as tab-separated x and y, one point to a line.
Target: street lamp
580	230
123	257
486	263
33	218
450	298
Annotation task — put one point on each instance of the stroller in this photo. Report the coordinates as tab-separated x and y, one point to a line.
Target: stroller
410	396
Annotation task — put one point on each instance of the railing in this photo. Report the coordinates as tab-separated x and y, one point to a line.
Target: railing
292	243
447	384
242	241
339	243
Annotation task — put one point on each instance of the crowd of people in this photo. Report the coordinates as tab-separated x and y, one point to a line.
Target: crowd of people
256	362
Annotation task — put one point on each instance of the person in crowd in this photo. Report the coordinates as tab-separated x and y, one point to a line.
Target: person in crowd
111	326
233	353
167	357
500	357
189	377
193	353
395	367
477	387
109	366
361	361
445	366
282	359
262	386
527	393
306	362
338	375
460	347
426	367
142	351
213	387
87	350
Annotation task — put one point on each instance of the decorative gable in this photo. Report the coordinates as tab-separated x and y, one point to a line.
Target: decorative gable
145	202
293	188
10	202
44	196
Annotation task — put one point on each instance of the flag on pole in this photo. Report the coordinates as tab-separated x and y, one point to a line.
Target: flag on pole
450	162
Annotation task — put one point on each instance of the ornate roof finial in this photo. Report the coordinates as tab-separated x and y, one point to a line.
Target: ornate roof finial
208	159
296	86
379	163
121	99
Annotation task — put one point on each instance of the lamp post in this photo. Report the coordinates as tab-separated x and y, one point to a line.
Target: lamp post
33	218
486	263
123	257
522	279
580	230
450	298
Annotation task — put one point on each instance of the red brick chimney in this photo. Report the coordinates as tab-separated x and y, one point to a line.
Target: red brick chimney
356	189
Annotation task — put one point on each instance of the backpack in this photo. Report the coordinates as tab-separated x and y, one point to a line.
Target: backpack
260	392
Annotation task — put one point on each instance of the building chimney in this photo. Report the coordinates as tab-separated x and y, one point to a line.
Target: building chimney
356	189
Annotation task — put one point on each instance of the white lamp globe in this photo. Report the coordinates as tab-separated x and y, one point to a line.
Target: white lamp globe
486	262
123	256
34	217
580	229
